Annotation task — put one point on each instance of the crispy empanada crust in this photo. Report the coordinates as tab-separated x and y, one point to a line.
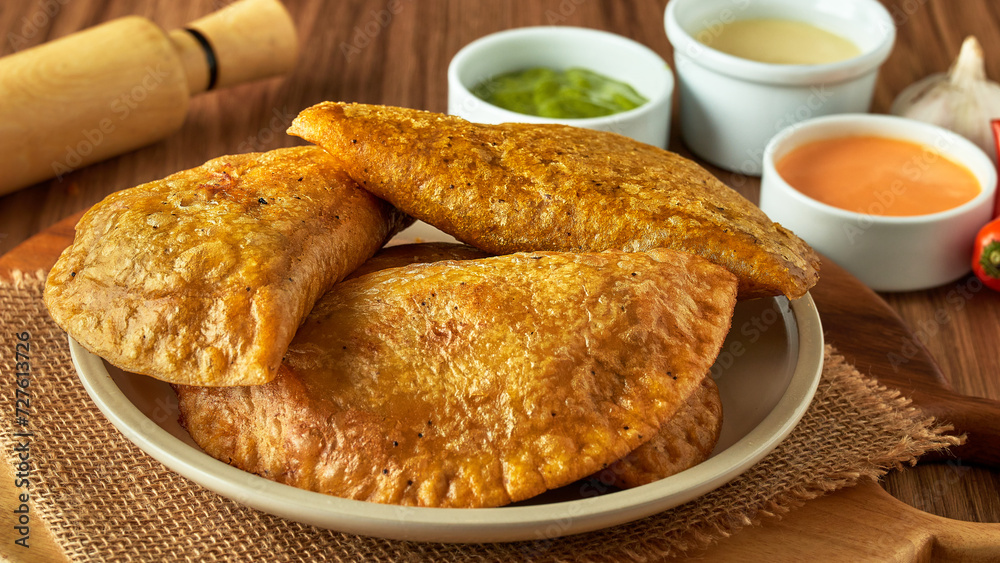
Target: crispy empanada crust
477	382
524	187
416	253
203	277
684	441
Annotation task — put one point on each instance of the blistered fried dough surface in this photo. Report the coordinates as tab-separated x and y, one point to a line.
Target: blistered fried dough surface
524	187
203	277
684	441
416	253
478	382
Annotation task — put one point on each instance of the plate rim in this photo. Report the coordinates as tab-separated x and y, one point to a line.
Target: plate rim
450	525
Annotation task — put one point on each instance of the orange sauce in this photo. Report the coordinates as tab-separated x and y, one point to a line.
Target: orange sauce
878	176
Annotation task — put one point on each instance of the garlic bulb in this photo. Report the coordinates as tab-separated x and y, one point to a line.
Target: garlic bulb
963	100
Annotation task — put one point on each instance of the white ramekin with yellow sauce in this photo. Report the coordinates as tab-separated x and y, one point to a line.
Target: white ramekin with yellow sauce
730	106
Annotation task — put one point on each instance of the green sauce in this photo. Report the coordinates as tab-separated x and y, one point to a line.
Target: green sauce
573	93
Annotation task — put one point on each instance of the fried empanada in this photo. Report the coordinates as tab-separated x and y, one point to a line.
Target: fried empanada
416	253
522	187
204	276
684	441
477	382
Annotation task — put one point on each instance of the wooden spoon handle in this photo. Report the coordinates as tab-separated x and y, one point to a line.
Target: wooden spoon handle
935	538
968	542
978	418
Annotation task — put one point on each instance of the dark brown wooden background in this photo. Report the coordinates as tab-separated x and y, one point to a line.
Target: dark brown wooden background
397	51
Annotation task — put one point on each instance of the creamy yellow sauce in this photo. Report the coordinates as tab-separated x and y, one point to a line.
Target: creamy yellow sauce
778	41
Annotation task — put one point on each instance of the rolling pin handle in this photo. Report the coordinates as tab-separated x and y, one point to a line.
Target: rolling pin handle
128	83
247	40
210	60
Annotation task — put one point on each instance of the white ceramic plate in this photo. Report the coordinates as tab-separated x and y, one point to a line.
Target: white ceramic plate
767	374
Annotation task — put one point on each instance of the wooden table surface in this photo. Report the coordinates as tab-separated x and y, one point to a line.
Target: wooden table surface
396	52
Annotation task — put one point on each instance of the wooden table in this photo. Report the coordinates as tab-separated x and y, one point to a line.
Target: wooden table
397	53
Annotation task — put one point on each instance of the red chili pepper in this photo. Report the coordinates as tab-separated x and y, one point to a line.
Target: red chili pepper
986	255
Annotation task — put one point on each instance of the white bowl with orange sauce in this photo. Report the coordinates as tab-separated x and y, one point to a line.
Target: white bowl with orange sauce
887	252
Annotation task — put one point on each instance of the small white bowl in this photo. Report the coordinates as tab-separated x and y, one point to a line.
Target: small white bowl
730	106
560	48
887	253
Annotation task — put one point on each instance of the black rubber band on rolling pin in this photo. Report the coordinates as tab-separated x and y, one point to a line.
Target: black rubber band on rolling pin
213	65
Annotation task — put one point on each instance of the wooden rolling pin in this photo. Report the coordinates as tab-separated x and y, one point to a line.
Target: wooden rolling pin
118	86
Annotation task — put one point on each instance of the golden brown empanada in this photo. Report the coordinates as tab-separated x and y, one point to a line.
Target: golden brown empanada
416	253
204	276
523	187
684	441
477	382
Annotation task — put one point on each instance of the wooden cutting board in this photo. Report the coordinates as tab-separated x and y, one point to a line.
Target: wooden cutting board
860	523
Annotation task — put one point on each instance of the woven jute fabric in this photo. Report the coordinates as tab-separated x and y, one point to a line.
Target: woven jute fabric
106	500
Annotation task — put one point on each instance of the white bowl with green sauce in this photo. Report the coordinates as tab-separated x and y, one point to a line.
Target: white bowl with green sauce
569	75
748	69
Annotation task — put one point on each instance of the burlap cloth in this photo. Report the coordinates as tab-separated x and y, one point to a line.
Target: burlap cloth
106	500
